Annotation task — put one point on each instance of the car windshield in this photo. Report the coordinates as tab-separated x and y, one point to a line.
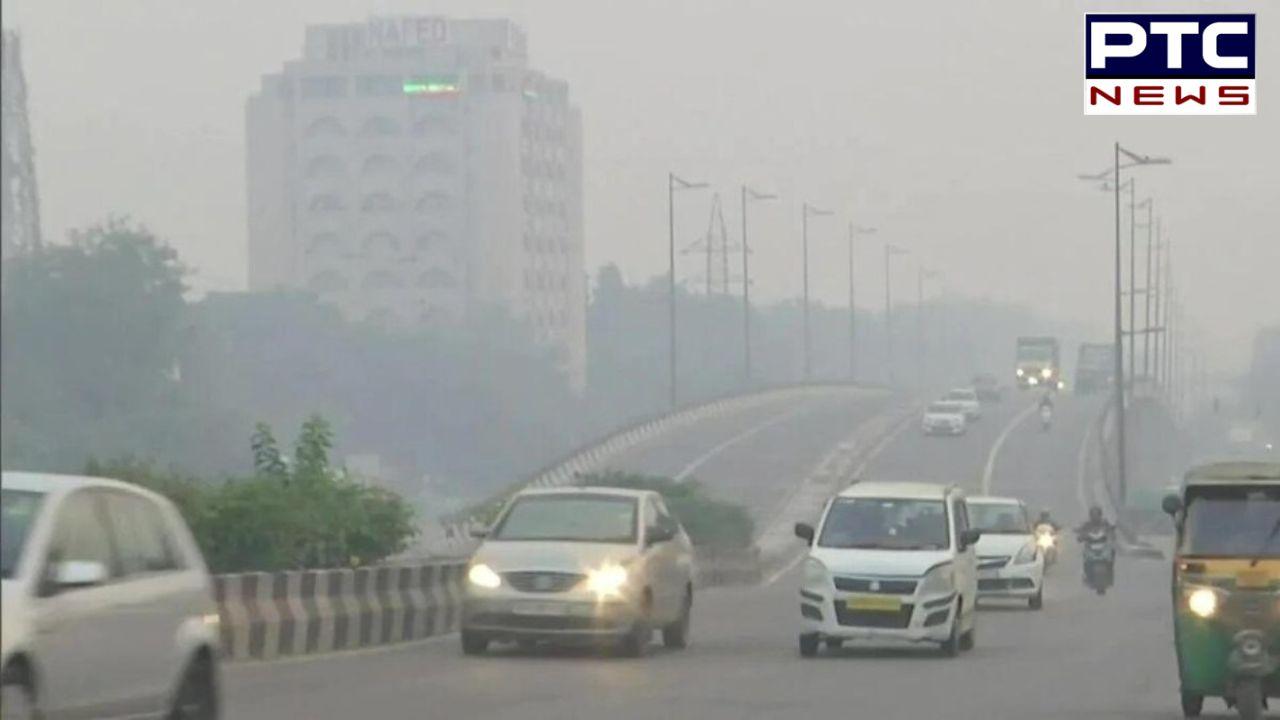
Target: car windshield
998	518
570	518
1035	353
885	524
17	513
1237	522
944	407
961	395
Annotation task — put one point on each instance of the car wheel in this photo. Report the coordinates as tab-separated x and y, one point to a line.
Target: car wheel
527	645
834	643
1037	601
197	696
968	639
634	643
676	635
473	643
1192	704
951	646
809	644
18	694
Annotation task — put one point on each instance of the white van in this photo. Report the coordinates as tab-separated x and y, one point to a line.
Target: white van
890	562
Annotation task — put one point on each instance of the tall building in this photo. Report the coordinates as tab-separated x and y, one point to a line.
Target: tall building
416	169
19	202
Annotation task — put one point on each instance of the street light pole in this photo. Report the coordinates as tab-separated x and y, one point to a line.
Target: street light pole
673	183
1146	336
1119	341
747	194
889	252
805	211
853	334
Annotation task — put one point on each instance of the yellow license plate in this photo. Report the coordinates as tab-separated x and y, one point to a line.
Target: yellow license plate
874	603
1252	579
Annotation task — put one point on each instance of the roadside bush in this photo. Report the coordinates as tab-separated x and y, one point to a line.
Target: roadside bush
707	520
289	515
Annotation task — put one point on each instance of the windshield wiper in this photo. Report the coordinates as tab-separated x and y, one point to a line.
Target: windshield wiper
1275	530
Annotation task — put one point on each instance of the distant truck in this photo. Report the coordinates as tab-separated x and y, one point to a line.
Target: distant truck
1038	363
1095	368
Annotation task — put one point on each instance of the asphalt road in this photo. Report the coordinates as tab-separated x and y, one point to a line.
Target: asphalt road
1083	656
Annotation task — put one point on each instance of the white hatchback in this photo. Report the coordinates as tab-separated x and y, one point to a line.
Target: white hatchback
1010	562
108	607
890	562
967	399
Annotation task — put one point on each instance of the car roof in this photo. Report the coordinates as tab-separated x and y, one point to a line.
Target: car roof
55	484
587	490
898	490
992	500
961	390
1235	471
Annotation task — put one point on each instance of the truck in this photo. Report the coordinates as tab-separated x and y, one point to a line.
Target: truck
1095	368
1037	363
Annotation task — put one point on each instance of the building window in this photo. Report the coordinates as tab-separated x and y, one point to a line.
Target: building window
325	202
378	203
379	165
324	244
380	280
329	281
433	202
322	86
324	166
436	163
325	127
381	243
437	279
381	126
378	85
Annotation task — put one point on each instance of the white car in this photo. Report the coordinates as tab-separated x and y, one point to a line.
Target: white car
944	418
890	562
108	607
1010	561
580	564
967	399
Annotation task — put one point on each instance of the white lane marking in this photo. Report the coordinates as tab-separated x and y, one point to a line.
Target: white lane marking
702	459
990	469
857	474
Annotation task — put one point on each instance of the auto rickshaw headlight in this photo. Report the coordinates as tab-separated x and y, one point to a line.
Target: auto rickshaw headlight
1203	602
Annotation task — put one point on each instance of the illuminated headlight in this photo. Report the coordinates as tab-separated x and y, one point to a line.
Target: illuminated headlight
815	573
938	581
607	581
1032	381
1045	540
1203	602
1021	372
1046	373
1026	555
1062	385
482	575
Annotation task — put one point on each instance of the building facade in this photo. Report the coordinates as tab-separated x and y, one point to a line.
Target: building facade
416	170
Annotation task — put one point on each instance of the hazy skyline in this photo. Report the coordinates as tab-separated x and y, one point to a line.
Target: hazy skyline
959	138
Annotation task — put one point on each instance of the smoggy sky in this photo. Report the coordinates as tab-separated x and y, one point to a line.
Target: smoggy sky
954	127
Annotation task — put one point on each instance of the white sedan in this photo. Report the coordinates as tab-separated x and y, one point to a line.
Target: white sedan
944	418
966	398
1010	561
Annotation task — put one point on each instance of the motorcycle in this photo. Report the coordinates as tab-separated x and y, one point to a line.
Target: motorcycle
1047	541
1099	559
1046	418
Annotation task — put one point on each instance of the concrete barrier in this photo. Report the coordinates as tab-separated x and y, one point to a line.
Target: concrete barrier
265	616
727	566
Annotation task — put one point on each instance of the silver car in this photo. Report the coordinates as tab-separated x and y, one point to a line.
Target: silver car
108	609
580	564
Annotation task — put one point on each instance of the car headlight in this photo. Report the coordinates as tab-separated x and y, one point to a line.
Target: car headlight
1032	381
1026	555
1046	373
1021	372
482	575
1203	602
938	581
1046	540
815	573
607	581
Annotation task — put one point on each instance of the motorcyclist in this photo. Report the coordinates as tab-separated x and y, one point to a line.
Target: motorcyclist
1046	520
1097	521
1046	411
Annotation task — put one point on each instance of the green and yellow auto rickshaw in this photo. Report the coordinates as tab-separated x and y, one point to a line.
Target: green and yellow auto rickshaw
1226	585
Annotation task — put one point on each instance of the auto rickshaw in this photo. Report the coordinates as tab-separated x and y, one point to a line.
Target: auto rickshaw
1226	585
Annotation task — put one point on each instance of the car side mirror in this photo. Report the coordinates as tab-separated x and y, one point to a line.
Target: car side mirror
804	531
659	534
73	574
480	532
969	538
1172	504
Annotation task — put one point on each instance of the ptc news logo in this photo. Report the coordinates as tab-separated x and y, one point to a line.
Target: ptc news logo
1174	64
